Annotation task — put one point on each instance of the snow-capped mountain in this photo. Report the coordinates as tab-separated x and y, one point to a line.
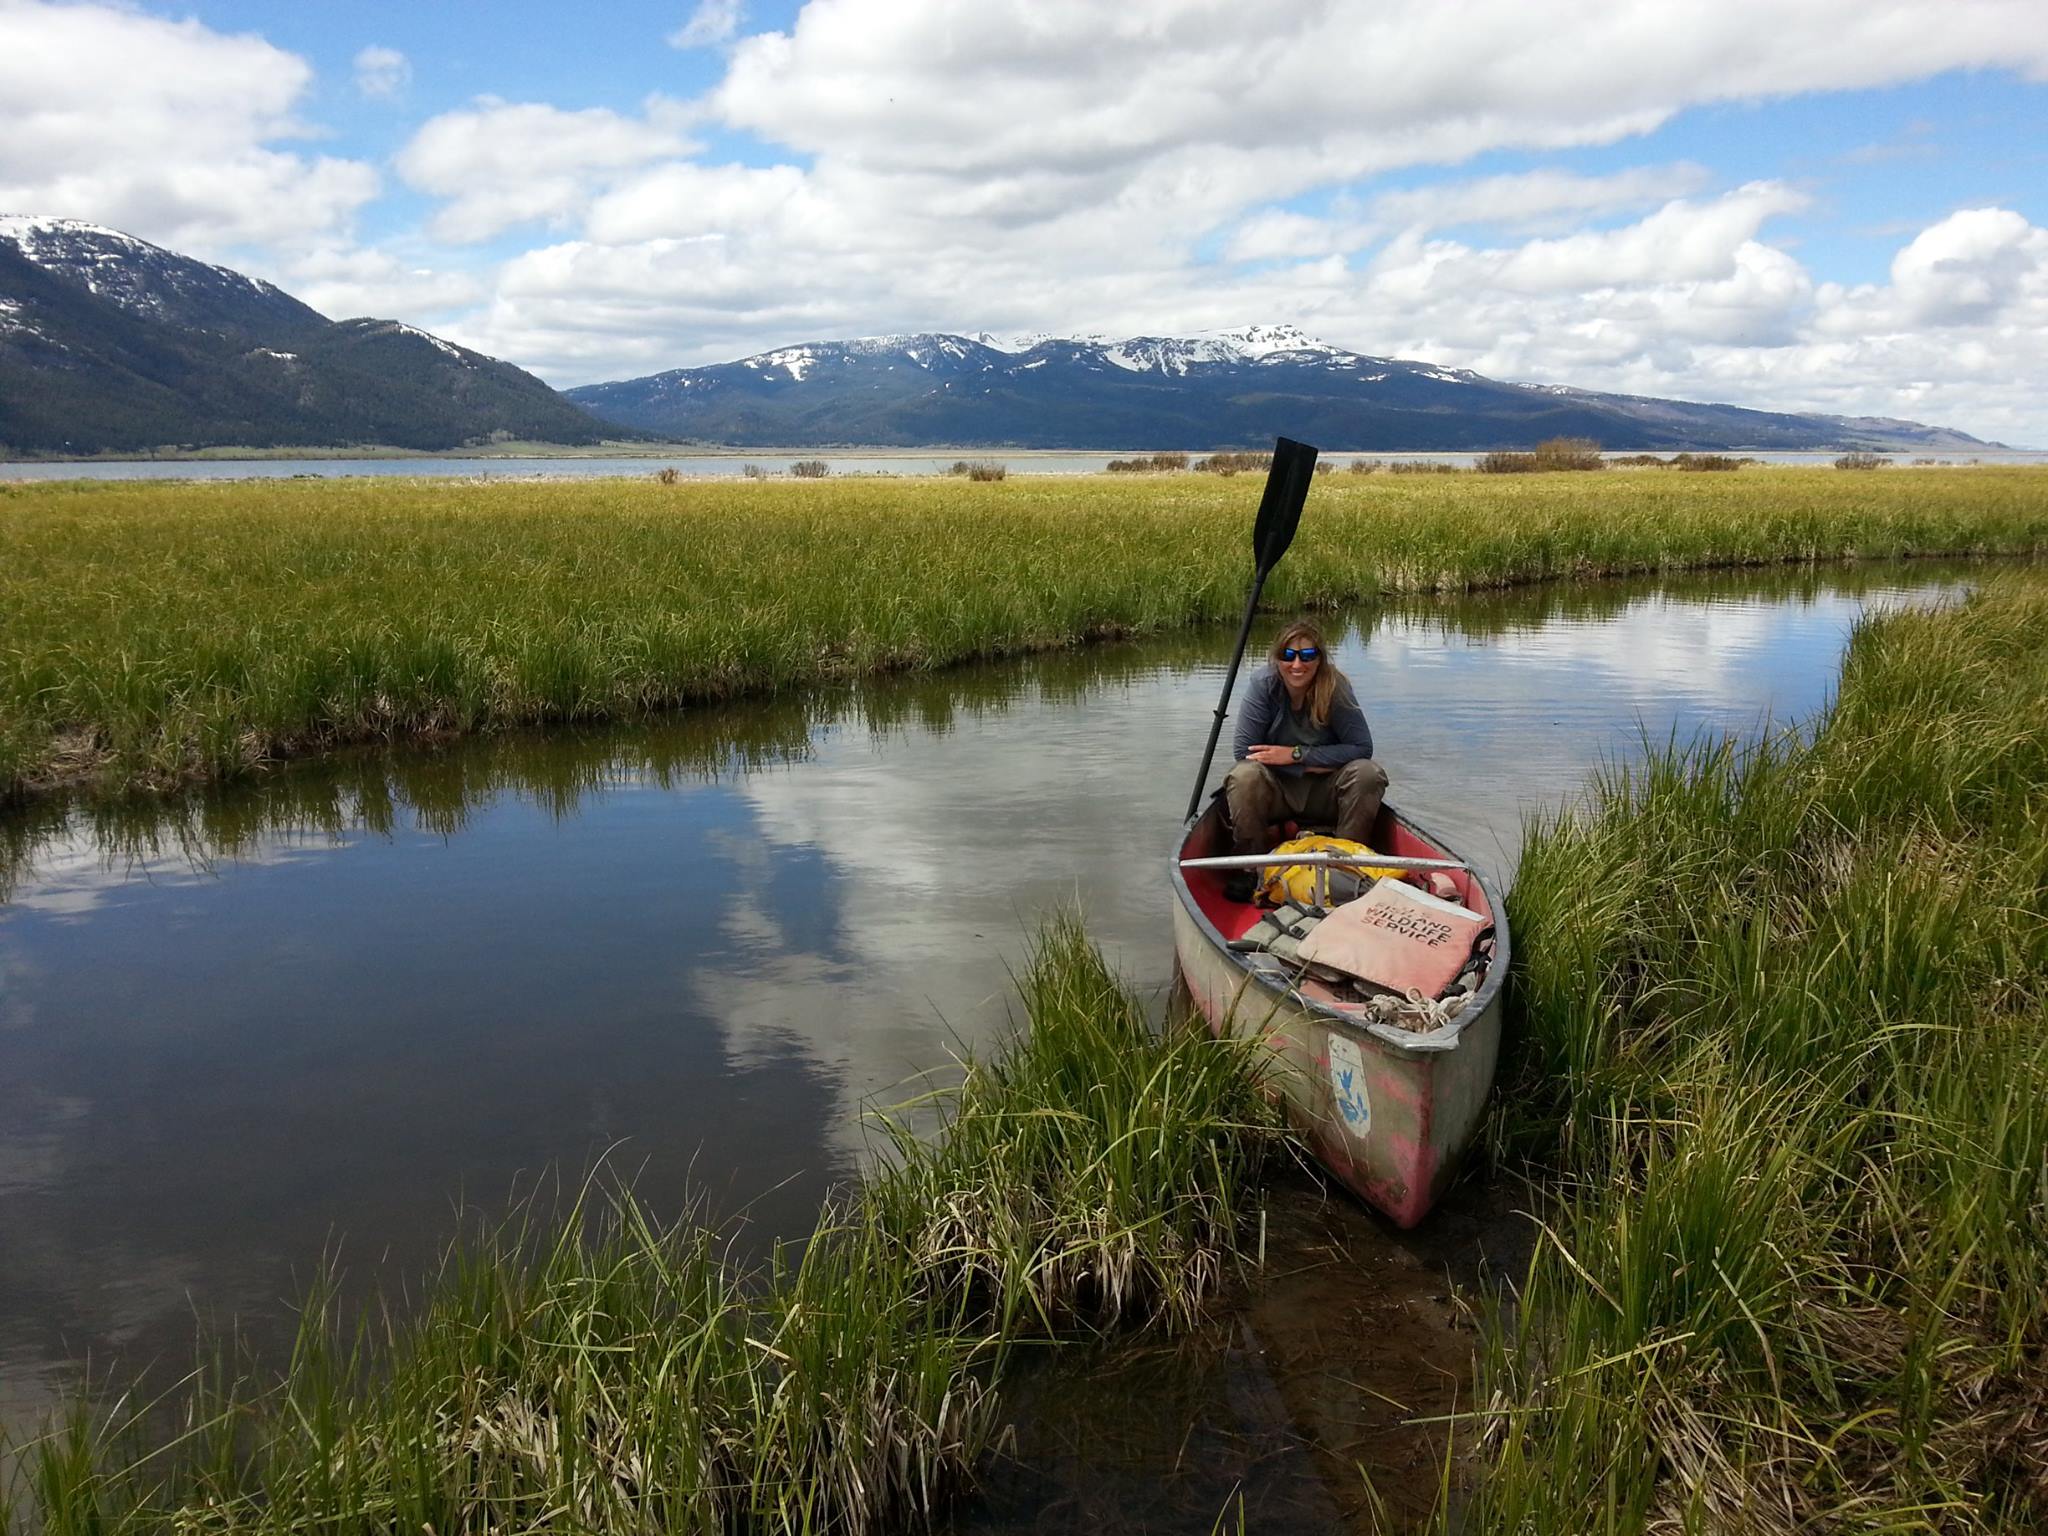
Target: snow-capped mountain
152	283
1176	354
110	343
1211	389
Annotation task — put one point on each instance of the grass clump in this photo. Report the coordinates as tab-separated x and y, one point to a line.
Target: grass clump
1076	1179
979	469
1694	462
810	469
152	633
1862	460
602	1373
1569	453
1552	454
1148	464
1785	1058
1502	462
1233	463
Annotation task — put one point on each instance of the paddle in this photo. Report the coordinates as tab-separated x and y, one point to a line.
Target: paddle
1294	465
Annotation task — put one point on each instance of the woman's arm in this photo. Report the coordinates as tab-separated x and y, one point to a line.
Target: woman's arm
1351	737
1256	718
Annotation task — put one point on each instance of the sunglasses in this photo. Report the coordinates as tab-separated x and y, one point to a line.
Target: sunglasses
1300	653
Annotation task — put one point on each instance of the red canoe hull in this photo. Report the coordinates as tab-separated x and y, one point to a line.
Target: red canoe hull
1387	1112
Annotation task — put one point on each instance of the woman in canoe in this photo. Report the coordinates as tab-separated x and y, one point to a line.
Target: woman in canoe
1303	749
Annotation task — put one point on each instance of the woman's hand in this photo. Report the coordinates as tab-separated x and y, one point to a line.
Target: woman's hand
1271	756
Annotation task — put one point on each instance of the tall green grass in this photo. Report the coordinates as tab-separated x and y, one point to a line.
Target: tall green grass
600	1372
1784	1053
150	633
1077	1179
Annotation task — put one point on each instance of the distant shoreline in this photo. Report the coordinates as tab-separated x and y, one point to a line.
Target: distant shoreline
514	452
633	450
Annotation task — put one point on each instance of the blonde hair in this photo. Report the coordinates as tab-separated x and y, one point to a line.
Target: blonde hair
1322	687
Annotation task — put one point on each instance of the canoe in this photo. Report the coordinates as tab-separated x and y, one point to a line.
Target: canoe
1387	1111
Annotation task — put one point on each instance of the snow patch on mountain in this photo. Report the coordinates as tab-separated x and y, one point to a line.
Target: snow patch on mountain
1020	342
119	267
1171	356
1175	355
400	328
798	360
1255	342
41	237
433	341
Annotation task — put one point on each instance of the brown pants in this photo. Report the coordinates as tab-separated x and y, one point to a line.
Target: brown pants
1258	796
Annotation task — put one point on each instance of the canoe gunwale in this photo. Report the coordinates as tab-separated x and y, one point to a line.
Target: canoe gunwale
1445	1037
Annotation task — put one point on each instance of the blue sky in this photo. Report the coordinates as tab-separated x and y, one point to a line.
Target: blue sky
1824	205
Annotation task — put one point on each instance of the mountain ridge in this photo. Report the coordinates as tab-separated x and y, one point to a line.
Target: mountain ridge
111	344
1212	389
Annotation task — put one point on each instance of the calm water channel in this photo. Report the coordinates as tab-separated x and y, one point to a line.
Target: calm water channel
323	1012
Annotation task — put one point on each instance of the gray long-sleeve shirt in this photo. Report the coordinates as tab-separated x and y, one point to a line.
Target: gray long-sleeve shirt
1268	719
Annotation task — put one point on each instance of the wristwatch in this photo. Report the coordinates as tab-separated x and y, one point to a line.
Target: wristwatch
1297	754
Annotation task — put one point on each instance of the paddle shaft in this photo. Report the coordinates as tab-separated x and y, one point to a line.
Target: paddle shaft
1244	634
1280	506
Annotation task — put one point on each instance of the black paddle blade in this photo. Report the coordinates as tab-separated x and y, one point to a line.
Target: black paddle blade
1294	465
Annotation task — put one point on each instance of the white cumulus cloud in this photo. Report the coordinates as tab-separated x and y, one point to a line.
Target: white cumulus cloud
166	129
1055	165
347	282
1973	268
1539	200
713	21
502	163
382	72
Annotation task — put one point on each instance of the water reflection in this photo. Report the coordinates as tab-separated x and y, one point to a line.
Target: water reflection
237	1025
1278	1409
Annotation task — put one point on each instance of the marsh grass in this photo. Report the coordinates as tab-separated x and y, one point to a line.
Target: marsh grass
1784	1055
1077	1181
154	633
595	1371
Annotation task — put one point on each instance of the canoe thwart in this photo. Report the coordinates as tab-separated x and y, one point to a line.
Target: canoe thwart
1325	860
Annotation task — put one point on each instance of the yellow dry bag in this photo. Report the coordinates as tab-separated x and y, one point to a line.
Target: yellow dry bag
1320	884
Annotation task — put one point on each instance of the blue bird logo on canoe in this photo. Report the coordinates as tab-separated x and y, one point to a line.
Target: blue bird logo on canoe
1352	1101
